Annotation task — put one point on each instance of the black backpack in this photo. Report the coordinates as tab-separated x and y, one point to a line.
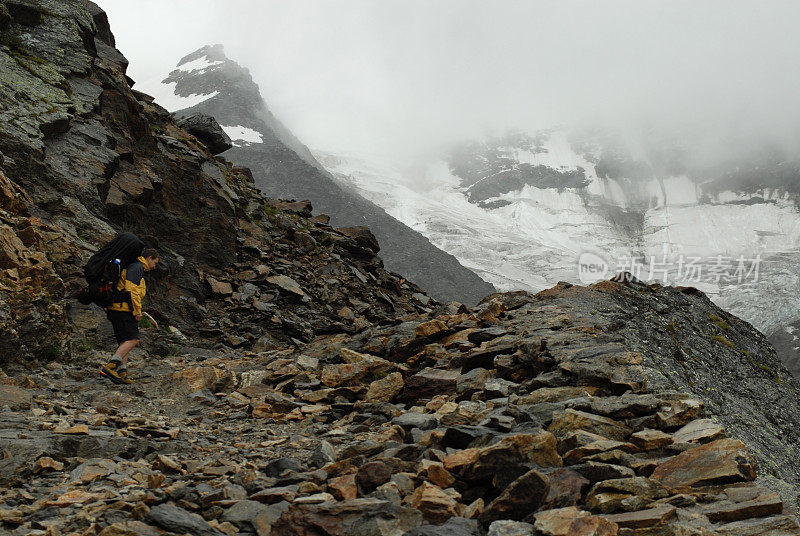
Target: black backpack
104	269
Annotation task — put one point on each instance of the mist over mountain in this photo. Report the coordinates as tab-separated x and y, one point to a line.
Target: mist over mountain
411	77
206	81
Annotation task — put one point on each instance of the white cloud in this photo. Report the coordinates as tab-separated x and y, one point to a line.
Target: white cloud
396	75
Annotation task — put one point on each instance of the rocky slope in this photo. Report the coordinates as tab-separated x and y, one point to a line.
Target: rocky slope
520	210
298	388
85	156
206	81
578	411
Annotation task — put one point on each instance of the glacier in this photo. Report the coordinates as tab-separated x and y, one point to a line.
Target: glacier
531	237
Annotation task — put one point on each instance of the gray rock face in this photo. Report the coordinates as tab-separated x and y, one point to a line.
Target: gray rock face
455	526
616	372
284	167
206	129
176	519
244	512
416	420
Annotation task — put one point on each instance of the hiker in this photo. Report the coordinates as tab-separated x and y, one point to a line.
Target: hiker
126	314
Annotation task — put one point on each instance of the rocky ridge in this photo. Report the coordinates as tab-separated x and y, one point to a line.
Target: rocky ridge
527	415
297	387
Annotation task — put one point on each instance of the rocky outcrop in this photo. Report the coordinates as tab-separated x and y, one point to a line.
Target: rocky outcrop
86	157
206	129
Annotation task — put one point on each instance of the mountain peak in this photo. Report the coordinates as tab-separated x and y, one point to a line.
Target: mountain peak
202	75
208	82
211	52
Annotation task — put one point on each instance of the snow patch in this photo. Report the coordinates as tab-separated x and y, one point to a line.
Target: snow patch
240	133
164	95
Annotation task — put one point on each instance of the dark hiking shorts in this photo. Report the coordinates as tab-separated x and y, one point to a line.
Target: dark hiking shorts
126	328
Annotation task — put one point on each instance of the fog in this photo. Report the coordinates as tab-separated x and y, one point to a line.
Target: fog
399	77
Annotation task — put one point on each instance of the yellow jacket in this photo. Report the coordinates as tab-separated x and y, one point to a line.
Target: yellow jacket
132	281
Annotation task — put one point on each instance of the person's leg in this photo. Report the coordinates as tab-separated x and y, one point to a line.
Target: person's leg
126	331
124	349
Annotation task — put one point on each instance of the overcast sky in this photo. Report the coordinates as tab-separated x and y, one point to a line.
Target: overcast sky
387	75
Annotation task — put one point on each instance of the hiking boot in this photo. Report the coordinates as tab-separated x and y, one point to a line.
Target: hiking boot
109	370
123	375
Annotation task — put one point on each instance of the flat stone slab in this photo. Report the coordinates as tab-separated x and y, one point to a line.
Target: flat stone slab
642	518
721	461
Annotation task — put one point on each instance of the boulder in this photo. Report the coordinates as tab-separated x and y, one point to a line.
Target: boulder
721	461
624	494
373	474
385	389
436	505
206	129
243	513
343	487
571	420
651	439
275	495
344	518
596	447
221	288
699	431
640	519
566	488
199	378
411	419
472	382
507	527
525	495
362	236
284	282
678	412
763	504
571	521
511	451
341	374
431	329
430	382
597	471
175	519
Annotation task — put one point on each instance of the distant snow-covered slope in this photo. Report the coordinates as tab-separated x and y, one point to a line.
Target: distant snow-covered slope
521	210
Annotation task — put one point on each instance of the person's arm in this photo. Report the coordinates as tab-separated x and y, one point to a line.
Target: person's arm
135	283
